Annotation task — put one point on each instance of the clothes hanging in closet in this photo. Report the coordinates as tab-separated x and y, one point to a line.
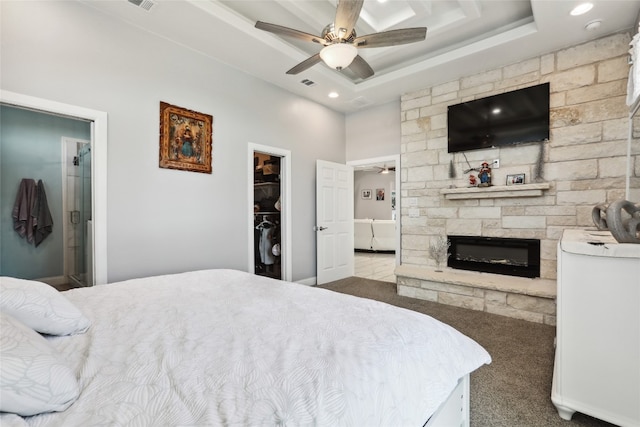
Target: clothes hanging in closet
267	229
31	215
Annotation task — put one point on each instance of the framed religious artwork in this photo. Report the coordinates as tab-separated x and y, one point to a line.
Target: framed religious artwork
185	139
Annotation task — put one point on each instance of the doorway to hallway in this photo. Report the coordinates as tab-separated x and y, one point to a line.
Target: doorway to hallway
375	266
380	173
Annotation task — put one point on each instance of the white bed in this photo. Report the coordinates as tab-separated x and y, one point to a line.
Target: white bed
224	347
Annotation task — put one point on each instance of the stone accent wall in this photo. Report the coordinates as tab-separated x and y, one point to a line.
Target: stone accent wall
526	299
584	161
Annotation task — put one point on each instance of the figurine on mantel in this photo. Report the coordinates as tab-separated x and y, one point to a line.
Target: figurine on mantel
485	175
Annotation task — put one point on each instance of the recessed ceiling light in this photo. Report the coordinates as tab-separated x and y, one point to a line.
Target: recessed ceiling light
496	111
382	1
581	9
333	94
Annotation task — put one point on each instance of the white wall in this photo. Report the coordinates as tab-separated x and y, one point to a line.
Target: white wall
374	132
372	208
161	220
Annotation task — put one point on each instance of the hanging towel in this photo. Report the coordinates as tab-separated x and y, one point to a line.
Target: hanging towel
22	218
43	222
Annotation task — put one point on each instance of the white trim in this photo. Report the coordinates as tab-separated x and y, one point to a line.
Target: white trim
98	162
285	199
310	281
396	159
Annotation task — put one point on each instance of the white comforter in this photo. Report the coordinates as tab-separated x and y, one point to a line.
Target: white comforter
223	347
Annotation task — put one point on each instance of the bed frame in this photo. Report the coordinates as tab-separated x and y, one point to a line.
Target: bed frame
455	410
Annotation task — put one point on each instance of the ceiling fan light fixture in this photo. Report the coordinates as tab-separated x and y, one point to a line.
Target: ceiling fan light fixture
339	55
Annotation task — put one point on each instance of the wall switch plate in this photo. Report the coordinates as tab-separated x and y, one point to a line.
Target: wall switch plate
414	213
413	201
495	164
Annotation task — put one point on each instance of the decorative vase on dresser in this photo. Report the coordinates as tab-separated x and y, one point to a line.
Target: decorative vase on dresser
597	362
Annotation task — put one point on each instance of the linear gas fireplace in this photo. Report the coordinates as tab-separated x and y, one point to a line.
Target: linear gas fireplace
513	257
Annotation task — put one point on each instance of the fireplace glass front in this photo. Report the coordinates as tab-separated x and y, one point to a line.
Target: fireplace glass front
514	257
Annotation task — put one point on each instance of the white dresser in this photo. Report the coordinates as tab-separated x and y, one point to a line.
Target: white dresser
597	363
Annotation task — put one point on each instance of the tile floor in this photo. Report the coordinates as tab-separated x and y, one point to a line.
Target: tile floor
376	266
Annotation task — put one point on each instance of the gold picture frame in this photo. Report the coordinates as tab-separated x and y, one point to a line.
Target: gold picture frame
185	139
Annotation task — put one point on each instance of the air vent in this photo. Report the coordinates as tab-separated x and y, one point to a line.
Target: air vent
308	82
144	4
360	102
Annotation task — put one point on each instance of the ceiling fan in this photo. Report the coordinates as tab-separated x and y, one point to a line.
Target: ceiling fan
341	43
385	169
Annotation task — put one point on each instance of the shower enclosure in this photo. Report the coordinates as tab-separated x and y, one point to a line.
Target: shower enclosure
80	241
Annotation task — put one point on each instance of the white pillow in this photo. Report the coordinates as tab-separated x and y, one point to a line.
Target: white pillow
34	378
40	307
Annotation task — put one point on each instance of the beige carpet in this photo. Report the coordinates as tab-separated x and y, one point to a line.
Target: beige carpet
515	390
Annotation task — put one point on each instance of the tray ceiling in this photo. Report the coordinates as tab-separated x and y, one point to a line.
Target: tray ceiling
464	37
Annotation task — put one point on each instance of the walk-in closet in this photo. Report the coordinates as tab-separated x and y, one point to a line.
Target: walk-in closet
266	213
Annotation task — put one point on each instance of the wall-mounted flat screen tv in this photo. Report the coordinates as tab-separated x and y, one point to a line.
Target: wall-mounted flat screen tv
505	119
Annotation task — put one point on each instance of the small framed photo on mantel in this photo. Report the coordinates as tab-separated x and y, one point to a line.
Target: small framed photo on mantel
516	179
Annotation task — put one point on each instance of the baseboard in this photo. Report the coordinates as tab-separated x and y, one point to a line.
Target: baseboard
371	251
54	280
311	281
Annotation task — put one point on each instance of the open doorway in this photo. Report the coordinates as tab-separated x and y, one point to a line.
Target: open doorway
269	221
98	154
377	219
34	149
267	204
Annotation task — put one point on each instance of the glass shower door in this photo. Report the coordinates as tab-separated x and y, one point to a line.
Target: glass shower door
81	219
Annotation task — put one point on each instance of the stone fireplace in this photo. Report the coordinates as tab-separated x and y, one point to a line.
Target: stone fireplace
513	257
581	165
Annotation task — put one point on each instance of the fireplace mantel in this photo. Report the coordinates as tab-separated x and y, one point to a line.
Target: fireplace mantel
495	192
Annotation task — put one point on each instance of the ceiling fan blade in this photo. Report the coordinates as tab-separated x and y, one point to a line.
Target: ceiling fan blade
289	32
392	37
347	14
361	68
307	63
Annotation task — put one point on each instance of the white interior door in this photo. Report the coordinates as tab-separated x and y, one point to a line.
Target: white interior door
334	221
